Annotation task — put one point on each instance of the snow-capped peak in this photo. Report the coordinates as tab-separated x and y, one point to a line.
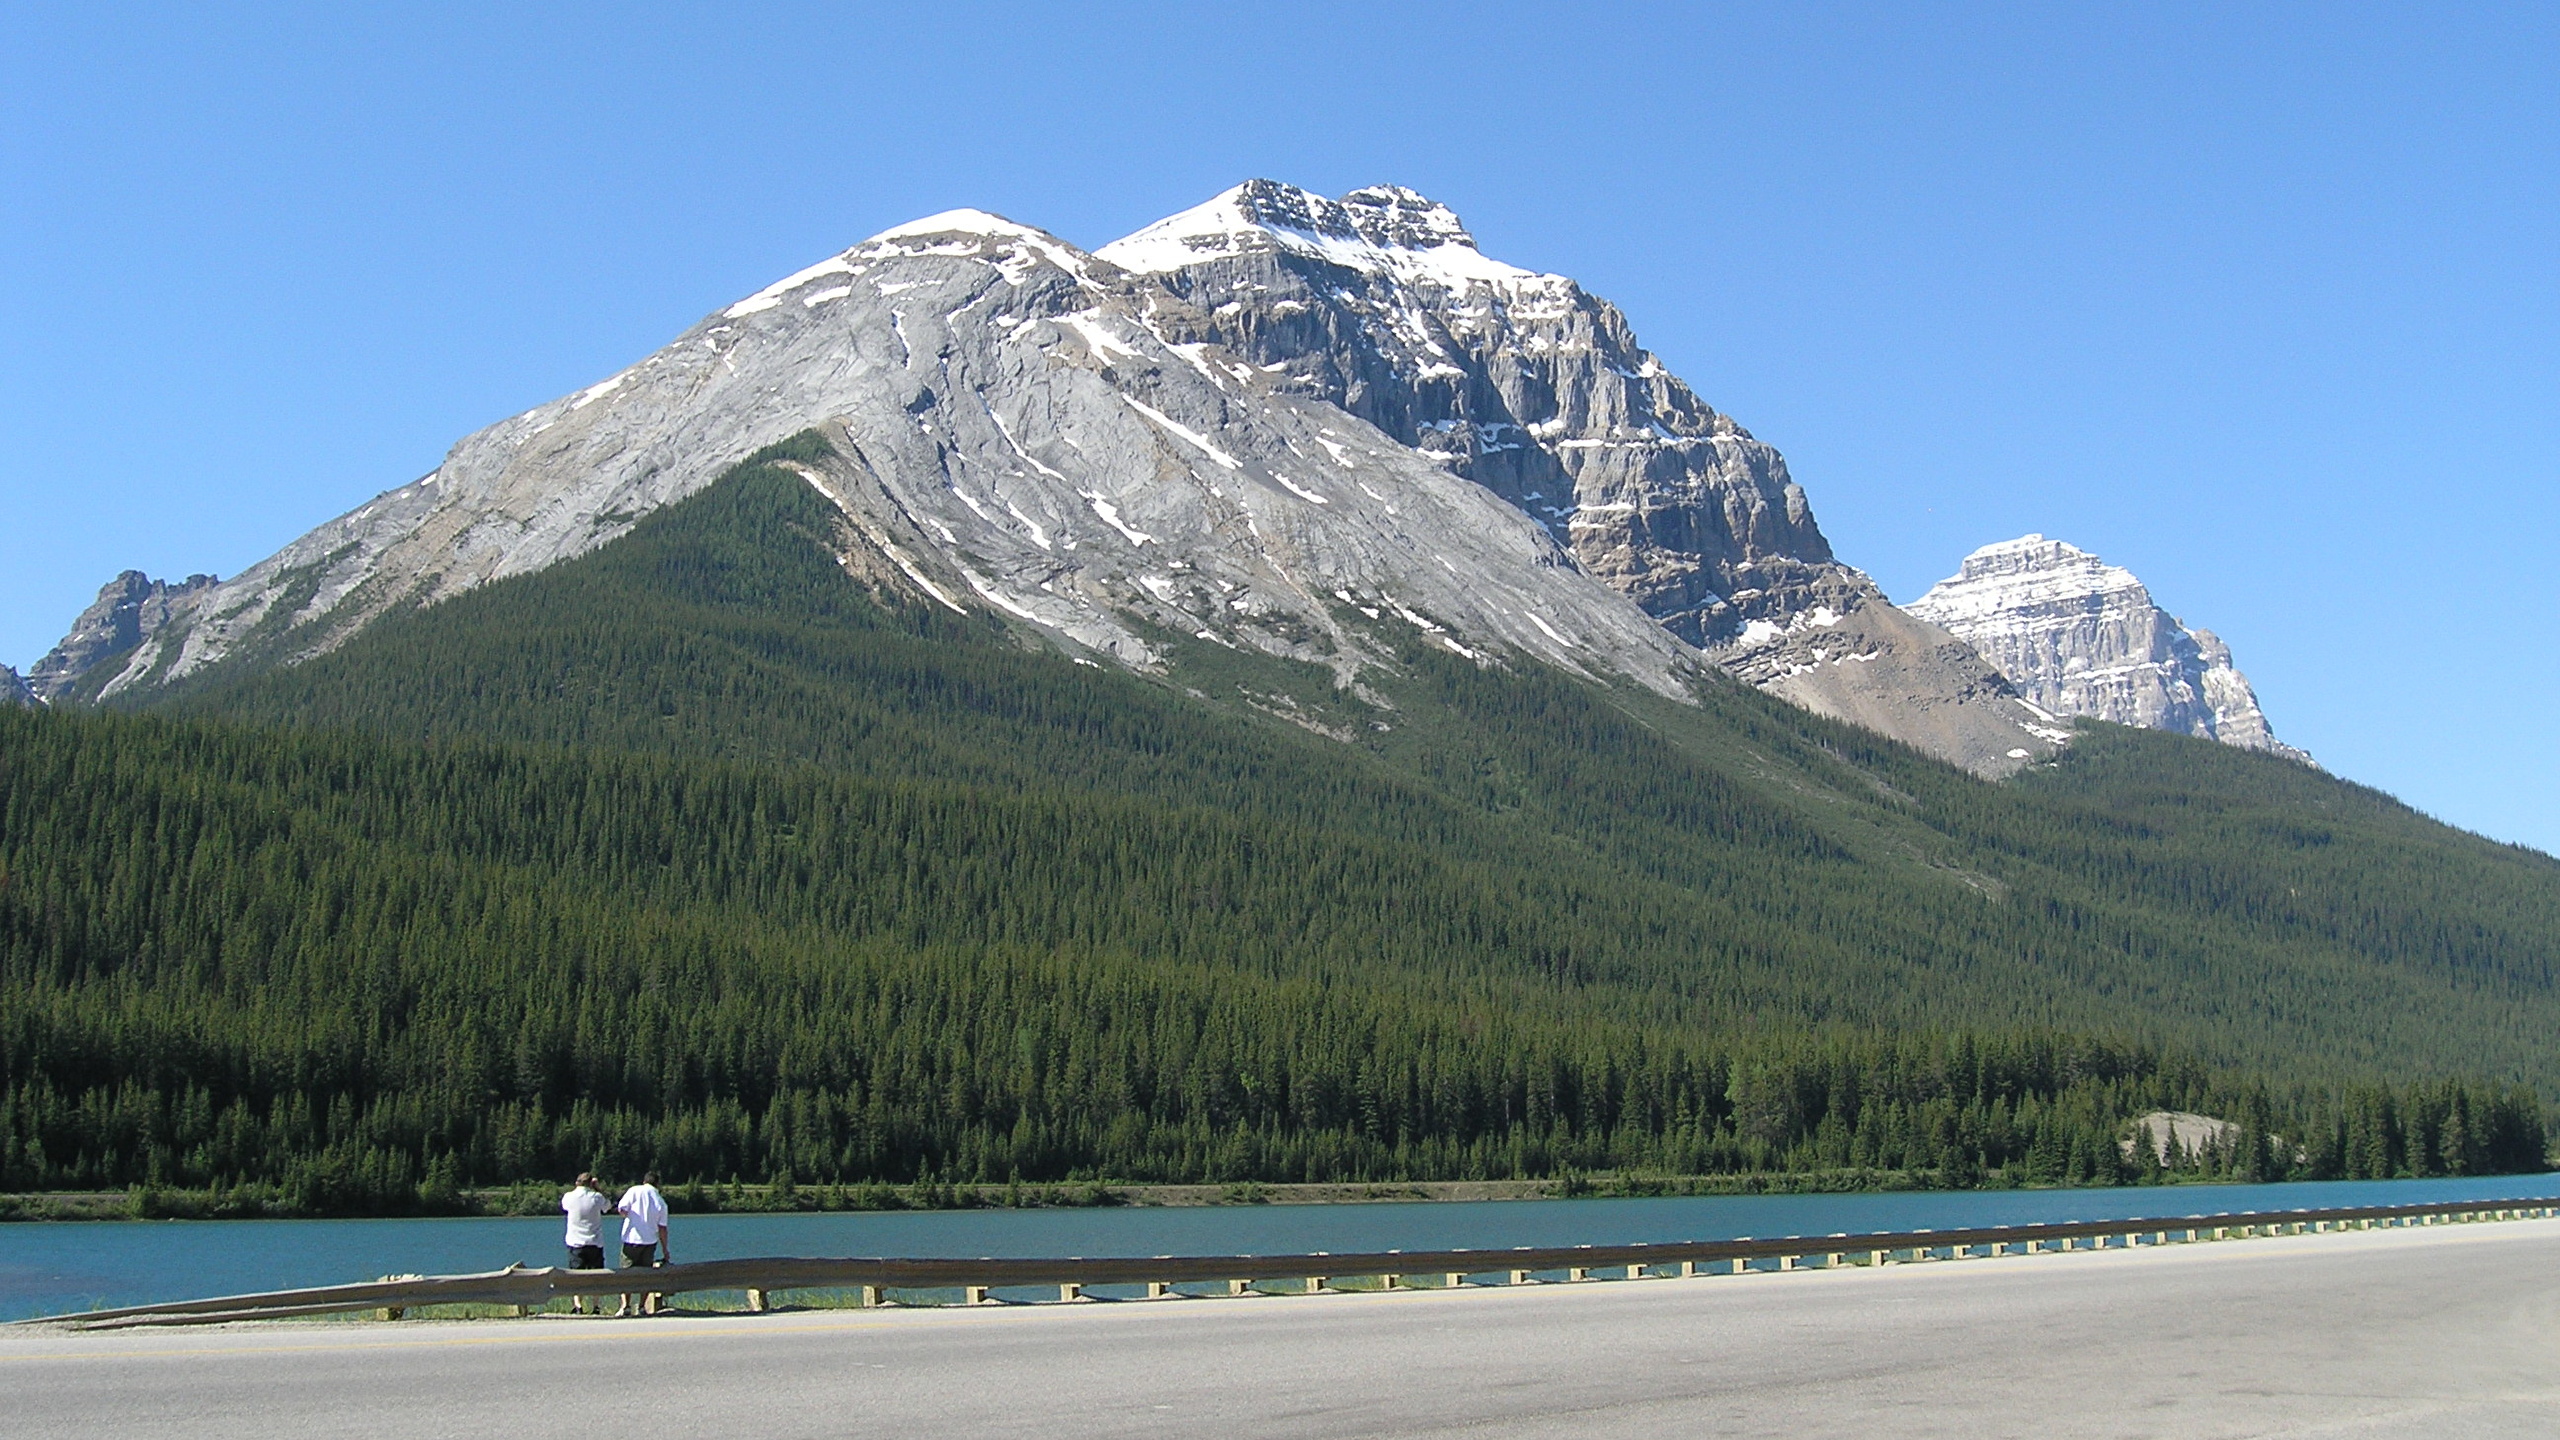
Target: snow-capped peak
975	228
1380	229
2079	636
2013	575
961	222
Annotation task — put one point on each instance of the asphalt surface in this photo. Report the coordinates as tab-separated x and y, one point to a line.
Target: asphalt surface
2443	1332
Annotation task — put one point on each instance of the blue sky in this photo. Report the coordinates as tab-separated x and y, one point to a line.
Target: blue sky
2262	302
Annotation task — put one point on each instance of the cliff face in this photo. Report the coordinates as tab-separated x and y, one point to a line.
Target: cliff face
13	690
1381	304
2078	636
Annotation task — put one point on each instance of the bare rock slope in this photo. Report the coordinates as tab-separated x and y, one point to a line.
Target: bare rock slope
1257	423
1380	304
2079	636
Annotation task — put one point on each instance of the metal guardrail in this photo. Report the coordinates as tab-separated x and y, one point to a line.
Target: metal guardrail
975	1279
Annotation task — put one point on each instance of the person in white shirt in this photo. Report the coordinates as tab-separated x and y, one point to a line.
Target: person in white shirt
645	1244
586	1208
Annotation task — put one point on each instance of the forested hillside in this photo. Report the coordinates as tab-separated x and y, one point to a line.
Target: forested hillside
699	848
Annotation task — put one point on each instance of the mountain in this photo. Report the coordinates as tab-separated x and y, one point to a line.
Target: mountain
13	690
1712	856
1273	423
706	850
980	709
2078	636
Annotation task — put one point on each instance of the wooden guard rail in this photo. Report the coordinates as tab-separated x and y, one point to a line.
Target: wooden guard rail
1071	1276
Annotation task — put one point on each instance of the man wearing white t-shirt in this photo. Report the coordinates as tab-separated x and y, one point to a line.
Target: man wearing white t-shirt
586	1208
644	1234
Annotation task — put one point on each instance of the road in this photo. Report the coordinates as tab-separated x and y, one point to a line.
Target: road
2440	1332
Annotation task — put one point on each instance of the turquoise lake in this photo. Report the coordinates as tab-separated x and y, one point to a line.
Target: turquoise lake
51	1268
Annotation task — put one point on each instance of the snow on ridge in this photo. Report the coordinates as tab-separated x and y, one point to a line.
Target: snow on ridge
976	223
2009	577
1378	230
960	222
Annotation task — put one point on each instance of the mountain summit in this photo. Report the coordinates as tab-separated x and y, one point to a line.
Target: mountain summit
1312	428
2079	636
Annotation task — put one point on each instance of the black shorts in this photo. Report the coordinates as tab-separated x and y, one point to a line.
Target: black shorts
586	1257
640	1257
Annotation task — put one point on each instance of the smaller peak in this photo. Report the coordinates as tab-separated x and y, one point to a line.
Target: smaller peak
964	222
1405	219
979	224
2027	554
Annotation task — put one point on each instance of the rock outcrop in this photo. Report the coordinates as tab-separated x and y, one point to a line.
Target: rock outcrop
13	690
1277	422
129	610
2078	636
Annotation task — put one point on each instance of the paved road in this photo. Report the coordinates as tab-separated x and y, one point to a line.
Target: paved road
2449	1332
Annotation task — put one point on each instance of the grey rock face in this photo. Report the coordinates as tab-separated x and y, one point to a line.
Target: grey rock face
129	609
1280	430
13	690
1017	435
1380	303
2078	636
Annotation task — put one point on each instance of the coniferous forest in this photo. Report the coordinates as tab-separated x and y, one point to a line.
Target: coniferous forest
700	852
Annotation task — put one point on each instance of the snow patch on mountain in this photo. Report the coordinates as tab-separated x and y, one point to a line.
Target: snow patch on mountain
1380	230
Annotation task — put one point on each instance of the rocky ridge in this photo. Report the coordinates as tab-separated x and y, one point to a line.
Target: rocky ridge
1381	304
129	610
2078	636
13	689
1307	427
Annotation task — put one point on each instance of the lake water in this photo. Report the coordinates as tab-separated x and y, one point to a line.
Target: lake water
54	1267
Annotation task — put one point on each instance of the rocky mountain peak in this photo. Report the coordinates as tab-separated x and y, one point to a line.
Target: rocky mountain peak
13	689
129	609
2078	636
1382	230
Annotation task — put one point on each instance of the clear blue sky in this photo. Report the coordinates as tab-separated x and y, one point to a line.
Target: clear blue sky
2261	302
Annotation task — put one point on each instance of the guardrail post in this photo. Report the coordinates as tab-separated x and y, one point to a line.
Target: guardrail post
1315	1284
870	1296
973	1294
1068	1294
755	1302
1390	1282
1453	1281
1239	1287
1158	1290
1787	1262
1519	1277
1577	1272
1688	1269
1638	1272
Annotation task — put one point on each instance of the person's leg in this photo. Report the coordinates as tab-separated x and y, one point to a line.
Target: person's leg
635	1257
582	1257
